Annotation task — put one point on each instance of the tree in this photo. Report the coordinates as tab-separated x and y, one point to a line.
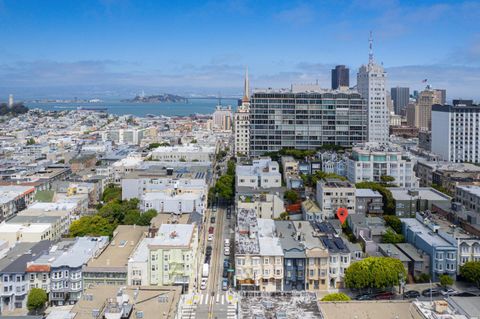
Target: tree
442	189
471	272
111	193
394	222
36	299
31	141
92	226
446	280
231	168
225	187
337	296
387	178
391	237
152	146
291	196
284	216
375	272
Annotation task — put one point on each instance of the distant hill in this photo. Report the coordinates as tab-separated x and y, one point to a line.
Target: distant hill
161	98
16	109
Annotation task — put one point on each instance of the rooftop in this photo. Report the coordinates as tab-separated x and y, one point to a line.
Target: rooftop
366	309
424	193
426	233
390	250
335	244
449	166
151	301
12	192
366	192
289	240
81	251
335	183
116	254
16	259
246	236
173	235
471	189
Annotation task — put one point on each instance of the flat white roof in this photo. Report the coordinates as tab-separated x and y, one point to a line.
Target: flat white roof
173	235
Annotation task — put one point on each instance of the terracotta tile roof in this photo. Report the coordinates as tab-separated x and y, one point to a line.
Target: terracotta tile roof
38	268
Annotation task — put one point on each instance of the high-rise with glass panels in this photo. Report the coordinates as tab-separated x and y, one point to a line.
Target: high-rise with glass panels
305	118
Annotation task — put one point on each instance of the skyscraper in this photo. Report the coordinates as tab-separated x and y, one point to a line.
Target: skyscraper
442	93
241	123
400	97
425	100
371	84
340	77
10	100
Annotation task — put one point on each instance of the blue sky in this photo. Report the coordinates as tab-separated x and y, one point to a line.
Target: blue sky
203	46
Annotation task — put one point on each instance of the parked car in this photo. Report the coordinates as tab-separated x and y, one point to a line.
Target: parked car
411	294
434	292
364	297
226	251
207	259
448	291
211	229
210	237
225	273
226	242
387	295
203	284
225	284
226	263
466	294
212	219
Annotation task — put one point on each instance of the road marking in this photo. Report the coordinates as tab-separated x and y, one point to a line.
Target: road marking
218	296
206	299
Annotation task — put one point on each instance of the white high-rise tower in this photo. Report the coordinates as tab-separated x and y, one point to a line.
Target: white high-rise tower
242	122
371	84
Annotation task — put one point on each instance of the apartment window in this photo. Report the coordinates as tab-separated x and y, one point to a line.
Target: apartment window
165	267
278	261
166	257
32	276
241	261
266	261
278	272
311	261
266	272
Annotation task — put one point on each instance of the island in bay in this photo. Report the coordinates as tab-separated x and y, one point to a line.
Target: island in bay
160	98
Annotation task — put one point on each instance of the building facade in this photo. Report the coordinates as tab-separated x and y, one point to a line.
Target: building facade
340	77
333	194
454	131
306	118
371	161
241	123
401	98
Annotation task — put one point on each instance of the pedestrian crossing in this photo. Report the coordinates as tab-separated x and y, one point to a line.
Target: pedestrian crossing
196	305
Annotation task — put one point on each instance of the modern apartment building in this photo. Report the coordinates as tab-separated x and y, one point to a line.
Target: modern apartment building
306	118
401	98
185	153
371	161
173	256
265	204
455	131
222	118
371	84
333	194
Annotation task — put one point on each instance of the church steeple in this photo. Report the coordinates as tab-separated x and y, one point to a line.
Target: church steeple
246	88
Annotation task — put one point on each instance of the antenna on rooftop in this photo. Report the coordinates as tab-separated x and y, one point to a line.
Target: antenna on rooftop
370	44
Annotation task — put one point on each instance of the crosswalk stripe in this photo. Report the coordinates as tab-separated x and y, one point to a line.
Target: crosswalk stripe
206	299
218	297
201	299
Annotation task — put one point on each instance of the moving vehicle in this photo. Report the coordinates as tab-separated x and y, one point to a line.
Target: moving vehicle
212	219
208	251
203	284
211	229
210	237
434	292
205	270
411	294
225	284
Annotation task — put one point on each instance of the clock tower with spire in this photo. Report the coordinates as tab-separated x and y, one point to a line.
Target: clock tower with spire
241	122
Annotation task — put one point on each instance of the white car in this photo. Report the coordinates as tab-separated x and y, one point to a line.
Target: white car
203	284
227	242
210	237
227	251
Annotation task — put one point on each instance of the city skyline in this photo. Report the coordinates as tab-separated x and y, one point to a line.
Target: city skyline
122	45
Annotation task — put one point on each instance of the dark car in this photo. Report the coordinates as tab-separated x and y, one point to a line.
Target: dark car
466	294
225	273
208	251
386	295
226	263
411	294
207	259
434	292
212	219
364	297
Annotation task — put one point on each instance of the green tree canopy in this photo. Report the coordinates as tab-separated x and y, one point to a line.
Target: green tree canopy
92	226
31	141
394	222
36	299
112	192
446	280
391	237
291	196
374	272
231	167
225	187
471	272
152	146
387	178
337	296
